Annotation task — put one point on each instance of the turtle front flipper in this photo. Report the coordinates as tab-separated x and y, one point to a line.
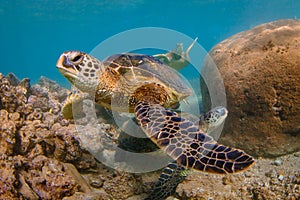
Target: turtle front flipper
166	185
174	173
73	101
186	143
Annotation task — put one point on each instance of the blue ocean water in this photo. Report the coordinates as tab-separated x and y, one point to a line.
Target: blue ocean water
35	32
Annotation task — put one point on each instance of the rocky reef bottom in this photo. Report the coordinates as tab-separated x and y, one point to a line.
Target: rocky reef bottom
41	157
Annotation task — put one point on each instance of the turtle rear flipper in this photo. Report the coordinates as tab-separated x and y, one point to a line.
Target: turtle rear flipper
166	185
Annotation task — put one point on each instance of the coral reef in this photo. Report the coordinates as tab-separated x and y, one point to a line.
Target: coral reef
43	157
29	170
261	72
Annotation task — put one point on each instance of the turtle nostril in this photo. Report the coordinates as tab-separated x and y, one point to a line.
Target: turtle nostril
67	62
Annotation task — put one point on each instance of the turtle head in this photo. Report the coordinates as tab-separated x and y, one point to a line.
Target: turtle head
215	116
81	69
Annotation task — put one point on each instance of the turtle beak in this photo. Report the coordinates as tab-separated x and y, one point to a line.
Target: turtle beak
224	112
65	66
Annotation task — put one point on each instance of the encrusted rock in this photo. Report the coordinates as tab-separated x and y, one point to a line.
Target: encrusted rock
49	179
261	72
25	83
97	195
7	134
126	185
27	144
56	91
13	79
25	190
40	102
7	178
13	98
68	148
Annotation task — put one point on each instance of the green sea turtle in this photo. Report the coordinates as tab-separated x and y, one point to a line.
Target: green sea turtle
145	86
177	58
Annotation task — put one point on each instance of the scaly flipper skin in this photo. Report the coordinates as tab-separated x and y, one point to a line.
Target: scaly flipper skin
174	174
166	185
186	143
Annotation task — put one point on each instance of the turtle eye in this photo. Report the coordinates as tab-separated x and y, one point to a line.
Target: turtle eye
77	58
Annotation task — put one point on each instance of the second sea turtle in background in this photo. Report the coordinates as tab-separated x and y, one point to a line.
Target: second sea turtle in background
177	58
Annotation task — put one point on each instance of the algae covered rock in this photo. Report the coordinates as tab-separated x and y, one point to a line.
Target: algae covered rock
261	74
41	155
27	142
